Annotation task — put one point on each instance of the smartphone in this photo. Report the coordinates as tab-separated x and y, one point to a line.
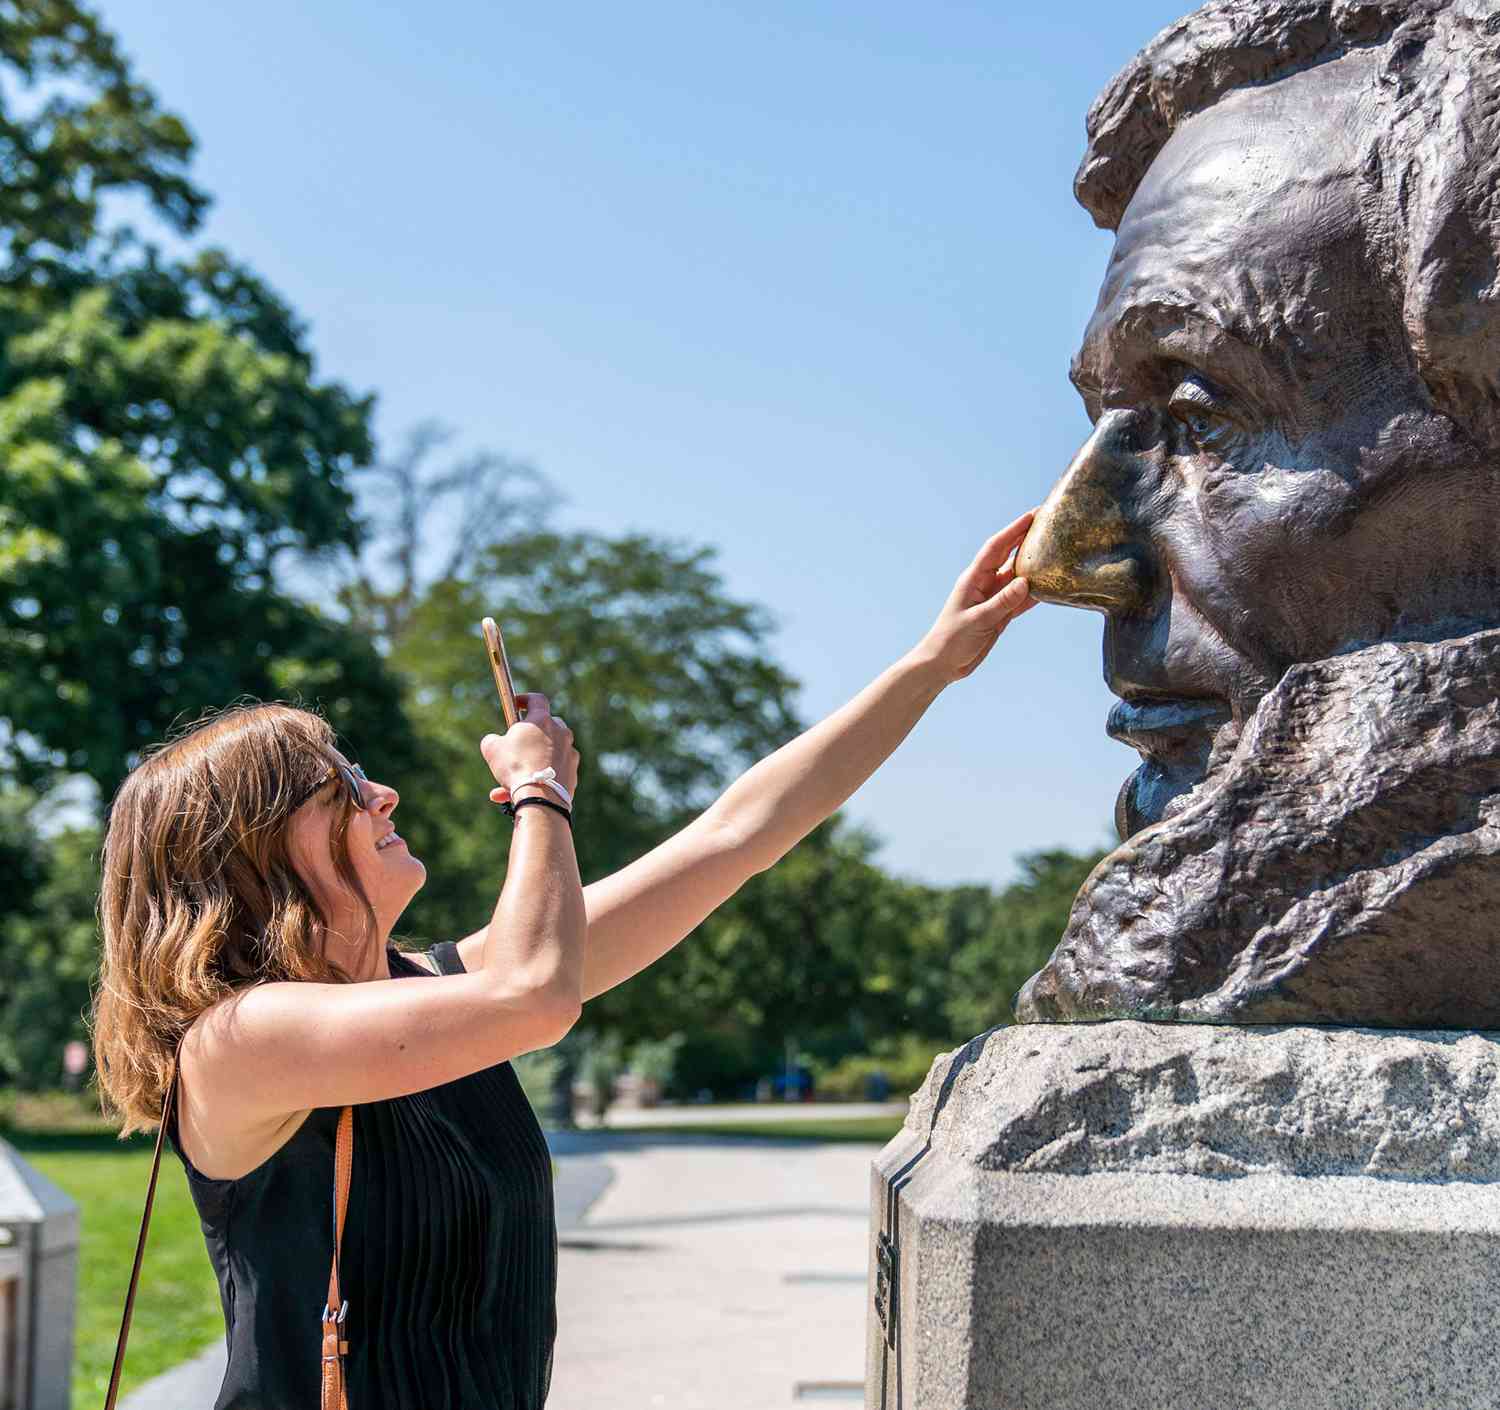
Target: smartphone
495	647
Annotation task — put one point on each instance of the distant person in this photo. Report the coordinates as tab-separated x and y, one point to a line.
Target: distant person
252	879
75	1064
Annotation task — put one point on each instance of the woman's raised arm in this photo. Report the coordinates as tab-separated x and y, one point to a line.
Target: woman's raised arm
640	912
279	1048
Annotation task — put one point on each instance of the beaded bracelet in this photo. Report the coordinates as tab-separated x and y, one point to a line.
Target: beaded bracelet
509	809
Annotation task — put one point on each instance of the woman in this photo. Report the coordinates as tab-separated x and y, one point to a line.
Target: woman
252	877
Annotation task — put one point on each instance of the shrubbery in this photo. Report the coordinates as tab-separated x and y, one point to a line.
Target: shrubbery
903	1063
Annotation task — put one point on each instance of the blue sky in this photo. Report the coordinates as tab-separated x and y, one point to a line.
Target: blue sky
800	281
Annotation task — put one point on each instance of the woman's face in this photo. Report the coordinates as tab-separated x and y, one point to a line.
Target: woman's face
389	873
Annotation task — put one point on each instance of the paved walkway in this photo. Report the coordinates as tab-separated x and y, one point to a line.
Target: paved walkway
695	1273
715	1274
627	1118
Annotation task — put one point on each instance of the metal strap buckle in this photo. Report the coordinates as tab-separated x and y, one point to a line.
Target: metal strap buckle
343	1312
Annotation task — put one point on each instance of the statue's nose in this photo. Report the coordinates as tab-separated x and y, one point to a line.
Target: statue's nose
1081	548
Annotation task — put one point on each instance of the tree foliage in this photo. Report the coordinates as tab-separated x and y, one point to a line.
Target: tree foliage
663	677
48	943
830	949
75	127
164	438
995	943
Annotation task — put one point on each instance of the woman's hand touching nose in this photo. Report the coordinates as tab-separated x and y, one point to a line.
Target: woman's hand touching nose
985	600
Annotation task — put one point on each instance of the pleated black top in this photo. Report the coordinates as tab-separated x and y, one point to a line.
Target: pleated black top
450	1251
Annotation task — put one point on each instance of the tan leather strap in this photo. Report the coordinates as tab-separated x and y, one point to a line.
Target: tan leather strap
140	1244
335	1347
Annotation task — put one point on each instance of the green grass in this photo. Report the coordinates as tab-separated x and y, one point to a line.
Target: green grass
177	1308
855	1128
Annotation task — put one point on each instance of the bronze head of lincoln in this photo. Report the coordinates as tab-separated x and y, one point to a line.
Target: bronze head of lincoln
1288	512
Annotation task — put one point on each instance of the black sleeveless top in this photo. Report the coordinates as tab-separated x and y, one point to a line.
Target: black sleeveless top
450	1251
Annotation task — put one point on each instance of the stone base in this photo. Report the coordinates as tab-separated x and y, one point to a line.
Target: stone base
1122	1215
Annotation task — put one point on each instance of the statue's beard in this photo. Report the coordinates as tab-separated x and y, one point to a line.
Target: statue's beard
1165	781
1336	861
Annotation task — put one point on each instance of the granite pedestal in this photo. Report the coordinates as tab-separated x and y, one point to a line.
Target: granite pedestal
1130	1216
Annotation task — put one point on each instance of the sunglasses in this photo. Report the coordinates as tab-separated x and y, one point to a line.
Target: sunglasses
350	775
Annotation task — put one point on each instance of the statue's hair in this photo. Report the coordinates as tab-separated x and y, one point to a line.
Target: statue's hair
199	896
1433	159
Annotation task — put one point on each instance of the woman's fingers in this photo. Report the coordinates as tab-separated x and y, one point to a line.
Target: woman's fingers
539	742
984	600
994	565
1012	600
535	706
1027	600
1000	546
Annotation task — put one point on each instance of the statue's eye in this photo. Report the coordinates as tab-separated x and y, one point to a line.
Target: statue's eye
1200	412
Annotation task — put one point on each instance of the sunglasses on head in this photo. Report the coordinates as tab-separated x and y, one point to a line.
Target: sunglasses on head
350	775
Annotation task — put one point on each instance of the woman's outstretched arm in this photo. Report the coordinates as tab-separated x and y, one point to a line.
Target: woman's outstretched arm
640	912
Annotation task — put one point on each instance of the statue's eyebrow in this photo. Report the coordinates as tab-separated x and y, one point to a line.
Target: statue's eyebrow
1157	328
1160	318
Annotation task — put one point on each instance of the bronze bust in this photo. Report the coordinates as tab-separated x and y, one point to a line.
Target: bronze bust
1289	514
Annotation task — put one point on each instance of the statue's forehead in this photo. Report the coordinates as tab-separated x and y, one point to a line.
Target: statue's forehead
1249	218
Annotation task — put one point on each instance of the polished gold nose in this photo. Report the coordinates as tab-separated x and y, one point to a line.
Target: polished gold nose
1080	549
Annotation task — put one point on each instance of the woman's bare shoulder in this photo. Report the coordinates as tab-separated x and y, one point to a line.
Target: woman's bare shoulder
220	1138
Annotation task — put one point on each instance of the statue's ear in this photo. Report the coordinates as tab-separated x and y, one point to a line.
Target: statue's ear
1447	145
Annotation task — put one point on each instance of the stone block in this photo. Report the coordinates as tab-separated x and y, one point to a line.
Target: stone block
1129	1215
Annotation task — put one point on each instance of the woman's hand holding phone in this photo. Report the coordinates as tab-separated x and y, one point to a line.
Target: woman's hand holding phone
540	740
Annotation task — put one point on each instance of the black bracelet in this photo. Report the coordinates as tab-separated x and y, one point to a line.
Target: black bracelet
509	809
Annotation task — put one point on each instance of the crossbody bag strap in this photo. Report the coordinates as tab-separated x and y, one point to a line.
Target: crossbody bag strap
140	1243
335	1309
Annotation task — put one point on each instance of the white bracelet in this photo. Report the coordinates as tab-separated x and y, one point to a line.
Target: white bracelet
549	777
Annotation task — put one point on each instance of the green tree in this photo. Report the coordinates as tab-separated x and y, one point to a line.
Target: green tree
75	127
165	443
662	675
48	945
806	949
996	943
825	948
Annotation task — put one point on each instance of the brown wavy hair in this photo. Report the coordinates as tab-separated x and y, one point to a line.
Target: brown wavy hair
199	897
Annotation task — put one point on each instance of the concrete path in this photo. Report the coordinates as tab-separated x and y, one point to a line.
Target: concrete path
627	1118
694	1273
715	1274
190	1386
